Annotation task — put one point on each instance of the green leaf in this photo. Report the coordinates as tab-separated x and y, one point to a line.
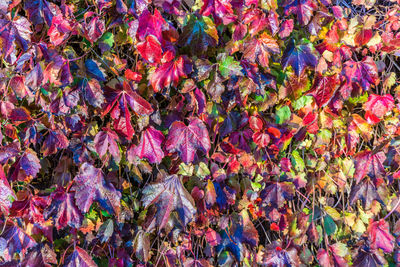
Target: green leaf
302	102
202	170
329	225
283	114
229	66
108	39
297	161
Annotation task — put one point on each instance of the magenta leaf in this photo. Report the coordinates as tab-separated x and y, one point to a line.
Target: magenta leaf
150	49
90	186
14	31
377	106
169	195
150	145
303	9
369	163
106	141
169	73
188	139
380	236
6	193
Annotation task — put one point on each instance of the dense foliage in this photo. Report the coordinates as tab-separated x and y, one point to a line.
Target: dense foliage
199	133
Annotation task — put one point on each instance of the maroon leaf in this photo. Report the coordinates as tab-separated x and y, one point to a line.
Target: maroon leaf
93	29
79	258
169	73
150	145
169	195
63	210
90	186
380	236
54	140
276	194
188	139
17	84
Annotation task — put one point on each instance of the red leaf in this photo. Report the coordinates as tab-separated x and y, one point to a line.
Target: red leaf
169	73
380	236
150	49
150	145
188	139
60	30
377	106
323	89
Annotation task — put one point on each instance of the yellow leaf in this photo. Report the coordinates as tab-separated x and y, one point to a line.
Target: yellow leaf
333	213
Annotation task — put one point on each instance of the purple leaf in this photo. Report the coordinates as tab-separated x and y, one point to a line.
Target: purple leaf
17	241
54	140
90	186
169	195
63	210
299	57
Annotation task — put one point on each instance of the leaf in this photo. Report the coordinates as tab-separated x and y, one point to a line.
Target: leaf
380	236
141	246
229	67
198	35
16	241
106	42
39	11
369	163
106	141
150	49
277	254
105	231
366	192
63	210
169	195
283	114
188	139
6	193
41	255
260	49
118	99
54	140
30	163
221	10
302	8
329	225
377	106
299	57
60	30
93	93
150	25
150	145
93	70
276	194
323	89
79	258
90	186
169	73
13	31
369	258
